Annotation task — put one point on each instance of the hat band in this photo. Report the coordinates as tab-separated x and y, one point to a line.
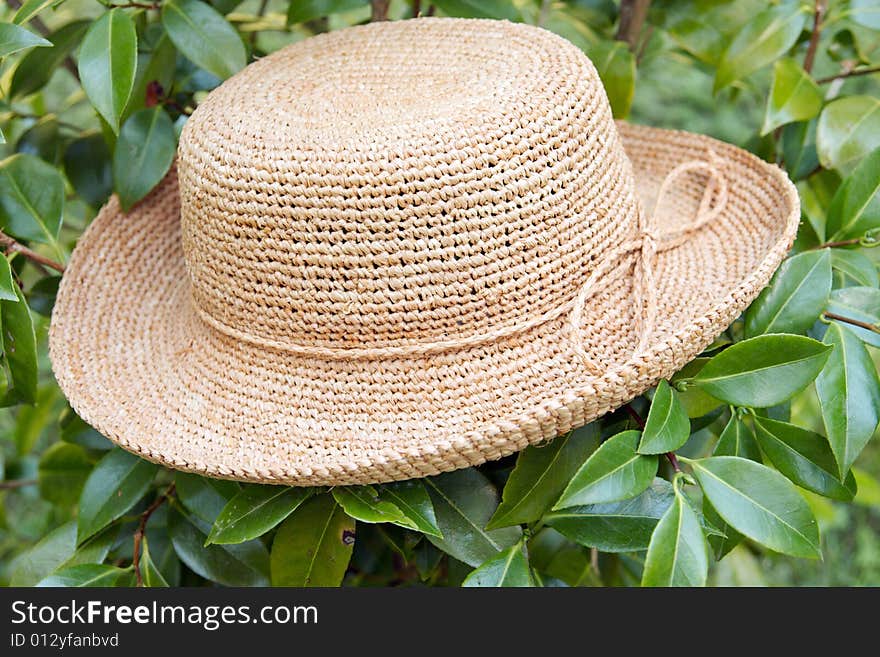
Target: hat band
648	244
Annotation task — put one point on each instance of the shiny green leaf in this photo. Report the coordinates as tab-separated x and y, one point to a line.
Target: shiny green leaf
412	500
29	9
314	545
510	569
62	473
616	65
118	482
677	554
804	457
793	96
107	63
848	130
762	40
150	573
243	564
363	503
58	550
667	427
8	287
86	575
541	474
31	199
87	163
862	304
763	371
613	472
307	10
624	526
737	439
865	12
464	501
759	503
203	496
20	347
855	266
500	9
204	36
37	66
855	210
849	396
144	153
14	39
797	294
799	150
254	510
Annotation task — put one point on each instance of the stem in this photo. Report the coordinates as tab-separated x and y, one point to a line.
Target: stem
673	459
849	74
15	246
831	245
818	14
542	14
849	320
635	416
139	533
379	10
134	5
632	18
416	8
17	483
261	11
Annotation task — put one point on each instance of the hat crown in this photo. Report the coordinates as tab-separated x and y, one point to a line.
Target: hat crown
401	183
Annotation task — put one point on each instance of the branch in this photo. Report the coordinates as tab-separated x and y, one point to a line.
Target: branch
854	322
139	533
831	245
673	459
818	14
849	74
15	246
17	483
632	17
379	10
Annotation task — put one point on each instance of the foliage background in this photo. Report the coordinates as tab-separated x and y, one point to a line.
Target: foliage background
795	82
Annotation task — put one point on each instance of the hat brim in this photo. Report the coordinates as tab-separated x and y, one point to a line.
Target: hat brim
138	364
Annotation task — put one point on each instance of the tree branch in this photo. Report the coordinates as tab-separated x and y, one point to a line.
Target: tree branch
854	322
14	246
831	245
849	74
17	483
141	529
379	10
818	15
632	17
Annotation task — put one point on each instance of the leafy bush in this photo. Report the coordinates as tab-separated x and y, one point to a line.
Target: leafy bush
743	447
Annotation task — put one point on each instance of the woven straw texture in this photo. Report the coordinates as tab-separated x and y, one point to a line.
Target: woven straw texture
365	264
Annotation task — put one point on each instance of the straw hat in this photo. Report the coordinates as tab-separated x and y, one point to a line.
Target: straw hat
405	248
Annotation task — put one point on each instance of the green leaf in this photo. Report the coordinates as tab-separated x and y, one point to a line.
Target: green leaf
158	65
20	347
307	10
500	9
75	431
616	65
759	503
855	266
107	64
624	526
243	564
848	130
799	150
667	427
763	371
117	483
29	9
763	40
508	569
14	39
861	303
464	501
697	403
363	503
613	472
793	96
677	554
727	539
849	396
855	209
62	473
204	37
86	575
204	497
865	12
37	66
58	550
314	545
31	199
795	298
412	500
8	287
540	475
151	575
804	457
87	163
737	439
144	153
255	510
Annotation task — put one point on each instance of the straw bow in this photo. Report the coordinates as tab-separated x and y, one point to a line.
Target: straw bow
651	241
